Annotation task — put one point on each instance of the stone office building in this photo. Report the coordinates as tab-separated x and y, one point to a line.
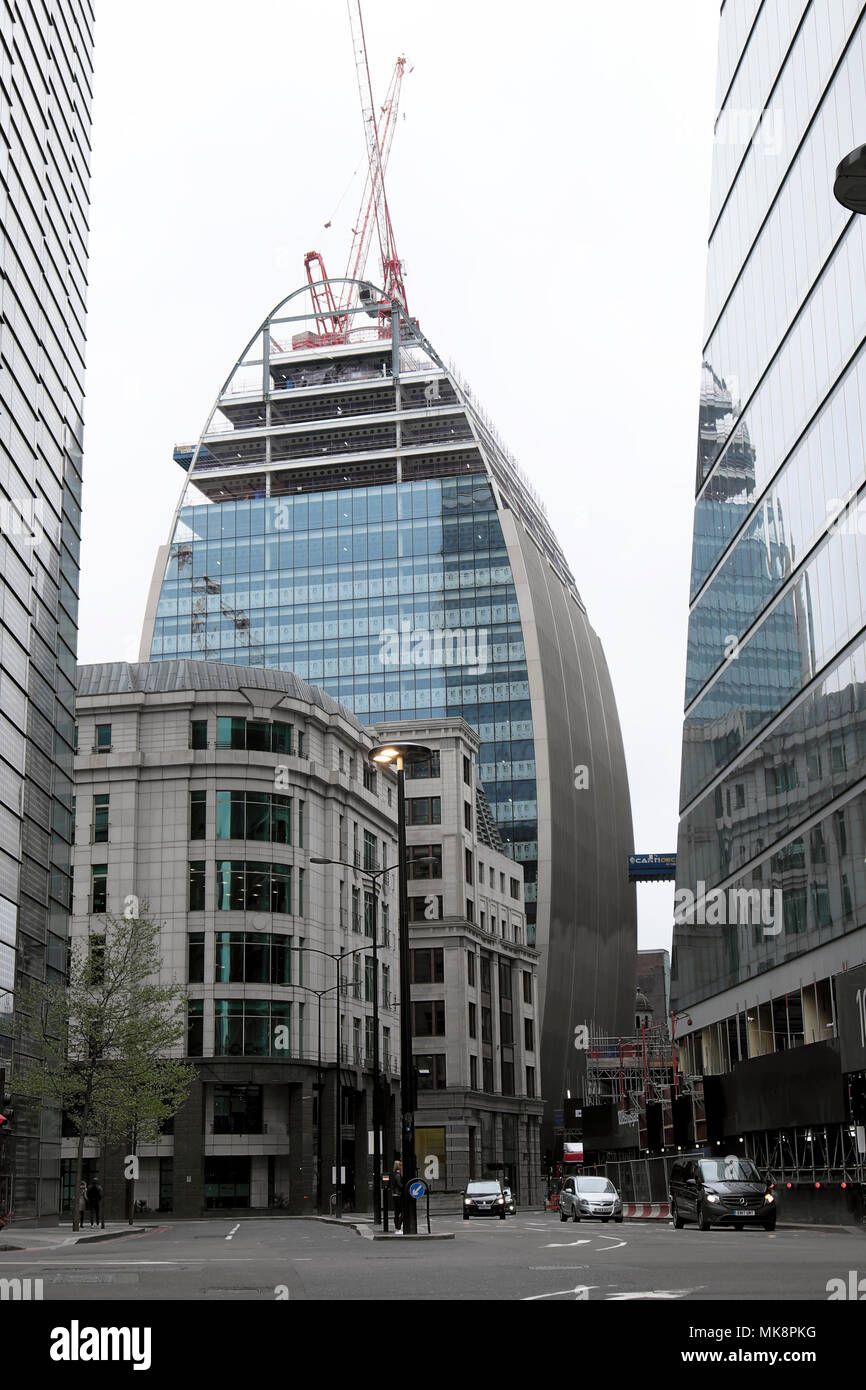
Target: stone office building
205	790
474	978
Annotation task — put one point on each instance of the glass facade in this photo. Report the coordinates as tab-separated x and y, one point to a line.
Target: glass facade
773	746
46	68
351	515
329	580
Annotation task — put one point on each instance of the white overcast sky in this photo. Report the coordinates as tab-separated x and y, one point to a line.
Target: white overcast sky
549	185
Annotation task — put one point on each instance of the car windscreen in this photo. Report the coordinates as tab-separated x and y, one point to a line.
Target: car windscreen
483	1189
731	1169
595	1185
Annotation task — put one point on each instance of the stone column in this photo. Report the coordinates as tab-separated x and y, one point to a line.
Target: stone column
302	1181
189	1197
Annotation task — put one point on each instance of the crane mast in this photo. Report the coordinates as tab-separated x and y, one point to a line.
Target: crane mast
366	219
333	319
392	272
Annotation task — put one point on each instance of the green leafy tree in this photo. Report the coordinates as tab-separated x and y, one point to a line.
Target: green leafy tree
103	1042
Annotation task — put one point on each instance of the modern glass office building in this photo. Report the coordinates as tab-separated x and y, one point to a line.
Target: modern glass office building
351	515
45	93
774	745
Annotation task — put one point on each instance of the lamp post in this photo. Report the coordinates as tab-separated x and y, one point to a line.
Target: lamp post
338	1166
373	875
396	755
320	993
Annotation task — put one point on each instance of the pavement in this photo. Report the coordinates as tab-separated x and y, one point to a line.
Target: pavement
56	1237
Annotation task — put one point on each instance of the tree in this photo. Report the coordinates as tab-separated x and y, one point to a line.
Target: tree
103	1041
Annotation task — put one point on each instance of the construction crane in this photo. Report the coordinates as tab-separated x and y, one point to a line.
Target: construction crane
333	319
375	191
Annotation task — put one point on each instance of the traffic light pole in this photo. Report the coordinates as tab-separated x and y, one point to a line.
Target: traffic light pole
407	1067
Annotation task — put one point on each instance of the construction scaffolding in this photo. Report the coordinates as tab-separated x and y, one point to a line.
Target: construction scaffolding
630	1071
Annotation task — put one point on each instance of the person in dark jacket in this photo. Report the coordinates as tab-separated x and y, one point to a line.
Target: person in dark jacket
397	1193
94	1201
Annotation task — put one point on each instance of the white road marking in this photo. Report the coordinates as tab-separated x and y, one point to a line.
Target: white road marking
579	1293
651	1293
138	1264
618	1244
600	1250
232	1231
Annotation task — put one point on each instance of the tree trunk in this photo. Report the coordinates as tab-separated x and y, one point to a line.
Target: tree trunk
130	1183
79	1160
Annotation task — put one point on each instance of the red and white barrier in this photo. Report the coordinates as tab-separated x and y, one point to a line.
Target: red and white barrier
647	1211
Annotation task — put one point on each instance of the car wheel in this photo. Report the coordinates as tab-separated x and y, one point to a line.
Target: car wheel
465	1218
618	1220
604	1220
771	1224
676	1218
738	1225
563	1214
502	1216
704	1222
575	1214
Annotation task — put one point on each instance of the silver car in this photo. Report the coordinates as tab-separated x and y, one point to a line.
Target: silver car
585	1198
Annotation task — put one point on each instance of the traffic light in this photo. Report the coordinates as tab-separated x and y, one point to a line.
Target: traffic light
548	1159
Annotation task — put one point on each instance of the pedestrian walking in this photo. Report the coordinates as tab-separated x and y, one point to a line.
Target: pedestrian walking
397	1193
82	1201
94	1201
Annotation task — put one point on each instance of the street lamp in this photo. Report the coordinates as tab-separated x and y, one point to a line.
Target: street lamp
396	755
338	1127
320	993
849	188
373	875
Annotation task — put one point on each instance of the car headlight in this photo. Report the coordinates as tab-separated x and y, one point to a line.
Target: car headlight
467	1202
500	1201
712	1197
768	1197
584	1206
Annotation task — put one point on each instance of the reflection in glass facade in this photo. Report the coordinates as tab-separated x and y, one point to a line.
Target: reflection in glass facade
351	516
46	69
774	743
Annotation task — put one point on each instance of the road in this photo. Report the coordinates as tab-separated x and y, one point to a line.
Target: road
532	1256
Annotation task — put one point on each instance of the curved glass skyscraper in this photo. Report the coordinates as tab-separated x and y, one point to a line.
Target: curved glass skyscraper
351	516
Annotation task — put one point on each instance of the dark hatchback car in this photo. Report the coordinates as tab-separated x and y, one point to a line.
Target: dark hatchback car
721	1192
483	1197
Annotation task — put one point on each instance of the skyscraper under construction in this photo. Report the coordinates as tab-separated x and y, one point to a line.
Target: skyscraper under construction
350	515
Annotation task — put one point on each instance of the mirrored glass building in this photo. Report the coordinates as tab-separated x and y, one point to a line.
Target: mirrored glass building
351	515
774	745
46	71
